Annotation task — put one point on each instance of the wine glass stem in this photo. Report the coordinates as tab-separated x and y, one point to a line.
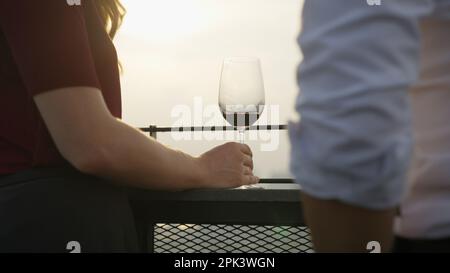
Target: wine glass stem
241	136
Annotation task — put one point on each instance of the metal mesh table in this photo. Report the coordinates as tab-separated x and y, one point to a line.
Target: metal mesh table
205	238
267	219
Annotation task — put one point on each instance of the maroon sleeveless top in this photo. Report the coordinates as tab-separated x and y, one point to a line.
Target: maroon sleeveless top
46	45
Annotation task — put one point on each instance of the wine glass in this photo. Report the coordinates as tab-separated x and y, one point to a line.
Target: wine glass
241	92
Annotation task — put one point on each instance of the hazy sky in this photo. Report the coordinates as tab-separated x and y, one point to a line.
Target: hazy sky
171	52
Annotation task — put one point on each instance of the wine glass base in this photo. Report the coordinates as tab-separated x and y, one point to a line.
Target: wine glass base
251	187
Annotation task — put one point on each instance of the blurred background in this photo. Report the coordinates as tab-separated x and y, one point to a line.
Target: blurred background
172	50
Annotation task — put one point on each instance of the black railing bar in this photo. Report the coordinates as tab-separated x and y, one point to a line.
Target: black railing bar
154	129
277	180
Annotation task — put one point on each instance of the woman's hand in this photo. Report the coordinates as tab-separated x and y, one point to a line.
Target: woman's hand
227	166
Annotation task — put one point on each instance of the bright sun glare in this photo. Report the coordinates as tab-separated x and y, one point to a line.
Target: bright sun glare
163	20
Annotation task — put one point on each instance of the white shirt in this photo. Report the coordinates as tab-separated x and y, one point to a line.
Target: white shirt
375	97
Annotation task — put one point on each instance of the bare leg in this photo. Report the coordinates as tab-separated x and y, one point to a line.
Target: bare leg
337	227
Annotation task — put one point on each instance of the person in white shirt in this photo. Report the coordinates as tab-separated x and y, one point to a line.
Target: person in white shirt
374	129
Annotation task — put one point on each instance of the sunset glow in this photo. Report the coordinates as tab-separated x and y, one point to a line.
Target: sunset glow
164	21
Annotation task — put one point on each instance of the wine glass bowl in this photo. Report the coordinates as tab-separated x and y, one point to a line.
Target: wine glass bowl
241	92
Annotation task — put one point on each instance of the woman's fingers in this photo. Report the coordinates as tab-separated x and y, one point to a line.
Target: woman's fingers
250	180
246	150
247	171
248	161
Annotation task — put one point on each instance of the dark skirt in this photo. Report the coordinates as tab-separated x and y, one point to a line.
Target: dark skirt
62	210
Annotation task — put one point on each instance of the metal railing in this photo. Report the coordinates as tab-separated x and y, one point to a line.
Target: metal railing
153	130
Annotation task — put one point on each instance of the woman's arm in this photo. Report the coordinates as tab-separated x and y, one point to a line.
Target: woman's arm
96	143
